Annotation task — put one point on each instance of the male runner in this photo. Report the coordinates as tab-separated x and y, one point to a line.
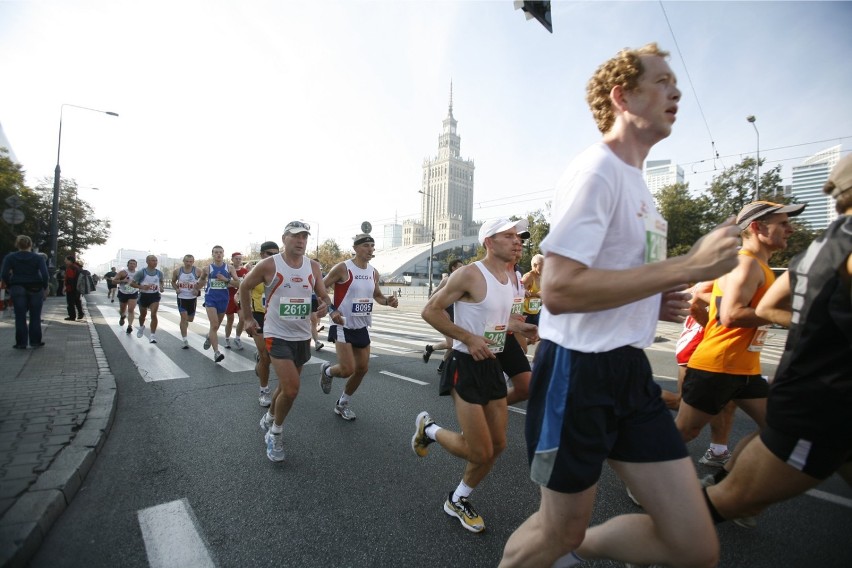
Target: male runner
258	312
513	358
111	287
127	295
185	283
149	281
215	279
240	270
482	294
726	364
291	278
356	286
808	433
445	344
593	397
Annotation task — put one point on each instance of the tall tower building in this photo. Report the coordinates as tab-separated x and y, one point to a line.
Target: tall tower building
808	181
446	200
662	173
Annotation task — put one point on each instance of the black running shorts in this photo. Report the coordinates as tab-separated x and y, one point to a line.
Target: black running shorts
476	382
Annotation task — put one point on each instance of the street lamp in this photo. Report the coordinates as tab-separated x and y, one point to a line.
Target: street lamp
54	211
751	119
432	247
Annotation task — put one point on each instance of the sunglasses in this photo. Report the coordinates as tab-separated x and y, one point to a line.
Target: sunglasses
269	252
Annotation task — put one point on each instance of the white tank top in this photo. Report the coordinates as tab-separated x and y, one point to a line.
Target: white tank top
288	301
149	283
488	318
354	298
186	282
124	285
518	294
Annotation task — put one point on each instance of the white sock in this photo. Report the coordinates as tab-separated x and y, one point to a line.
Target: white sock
718	449
276	429
269	417
264	390
432	431
344	398
462	491
570	559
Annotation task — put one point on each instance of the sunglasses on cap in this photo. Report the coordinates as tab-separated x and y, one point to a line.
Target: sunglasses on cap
299	225
270	252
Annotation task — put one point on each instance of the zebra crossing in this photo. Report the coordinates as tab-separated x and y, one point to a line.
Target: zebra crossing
394	332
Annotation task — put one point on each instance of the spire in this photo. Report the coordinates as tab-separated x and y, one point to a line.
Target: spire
450	112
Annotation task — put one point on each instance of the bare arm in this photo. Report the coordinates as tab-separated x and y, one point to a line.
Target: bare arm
570	286
381	298
776	305
738	289
261	274
202	280
175	279
322	293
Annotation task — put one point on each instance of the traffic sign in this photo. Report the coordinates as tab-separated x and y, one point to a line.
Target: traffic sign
366	227
14	201
13	216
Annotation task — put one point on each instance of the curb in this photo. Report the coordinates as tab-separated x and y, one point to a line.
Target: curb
24	526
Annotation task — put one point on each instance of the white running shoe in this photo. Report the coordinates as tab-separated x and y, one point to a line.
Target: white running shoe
140	331
185	342
152	338
265	398
227	343
238	343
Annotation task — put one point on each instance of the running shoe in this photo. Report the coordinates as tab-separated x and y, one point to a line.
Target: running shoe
153	338
218	357
325	378
265	398
715	460
121	320
427	353
319	346
265	422
463	510
343	410
140	331
185	342
420	441
238	343
227	343
129	329
206	342
274	446
441	367
320	328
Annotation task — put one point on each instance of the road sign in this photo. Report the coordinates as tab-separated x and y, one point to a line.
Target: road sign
366	227
13	216
14	201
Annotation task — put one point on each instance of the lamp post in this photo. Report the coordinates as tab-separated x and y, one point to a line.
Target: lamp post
54	210
752	119
432	246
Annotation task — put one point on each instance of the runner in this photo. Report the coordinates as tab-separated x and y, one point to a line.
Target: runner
291	279
483	296
149	281
513	358
185	283
240	270
111	287
447	342
532	292
127	295
215	279
356	286
593	397
808	434
258	312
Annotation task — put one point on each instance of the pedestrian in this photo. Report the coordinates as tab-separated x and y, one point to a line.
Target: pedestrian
73	297
593	398
24	274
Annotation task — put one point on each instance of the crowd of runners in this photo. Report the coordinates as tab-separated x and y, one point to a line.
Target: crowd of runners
591	303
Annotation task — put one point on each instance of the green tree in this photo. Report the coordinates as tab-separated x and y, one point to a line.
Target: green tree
685	215
731	190
12	184
329	254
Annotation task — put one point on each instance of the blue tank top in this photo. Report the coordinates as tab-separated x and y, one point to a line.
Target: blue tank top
216	287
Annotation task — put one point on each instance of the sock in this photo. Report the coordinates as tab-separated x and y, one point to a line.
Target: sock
269	417
570	559
344	399
718	449
717	518
720	475
276	428
462	491
429	349
264	390
432	431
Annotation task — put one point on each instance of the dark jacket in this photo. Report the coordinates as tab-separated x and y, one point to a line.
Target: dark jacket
24	268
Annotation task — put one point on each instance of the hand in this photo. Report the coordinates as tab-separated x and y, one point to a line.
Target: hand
393	301
250	326
477	346
528	330
675	305
322	309
715	254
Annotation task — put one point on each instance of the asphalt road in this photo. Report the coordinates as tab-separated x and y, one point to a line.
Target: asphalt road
349	493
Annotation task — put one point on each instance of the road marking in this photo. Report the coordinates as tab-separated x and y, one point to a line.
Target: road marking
152	363
172	537
232	362
830	497
409	379
515	409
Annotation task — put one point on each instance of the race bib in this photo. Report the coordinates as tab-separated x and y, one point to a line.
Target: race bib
217	284
534	305
294	308
656	230
497	334
362	306
517	306
759	339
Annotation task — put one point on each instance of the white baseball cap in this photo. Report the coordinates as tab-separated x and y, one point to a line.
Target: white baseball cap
491	228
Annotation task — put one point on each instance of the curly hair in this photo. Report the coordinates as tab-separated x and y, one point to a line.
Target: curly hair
624	69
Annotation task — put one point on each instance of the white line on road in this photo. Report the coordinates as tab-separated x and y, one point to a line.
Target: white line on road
515	409
172	537
409	379
836	499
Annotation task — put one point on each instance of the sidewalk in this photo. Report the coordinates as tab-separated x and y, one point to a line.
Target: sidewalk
56	408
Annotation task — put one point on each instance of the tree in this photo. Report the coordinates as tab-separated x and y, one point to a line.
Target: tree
77	225
12	184
731	190
685	215
329	254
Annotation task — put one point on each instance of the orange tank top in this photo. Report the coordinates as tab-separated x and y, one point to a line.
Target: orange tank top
732	350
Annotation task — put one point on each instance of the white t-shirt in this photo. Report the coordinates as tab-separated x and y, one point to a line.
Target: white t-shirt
604	217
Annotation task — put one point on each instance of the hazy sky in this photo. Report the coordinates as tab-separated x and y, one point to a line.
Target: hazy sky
237	116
